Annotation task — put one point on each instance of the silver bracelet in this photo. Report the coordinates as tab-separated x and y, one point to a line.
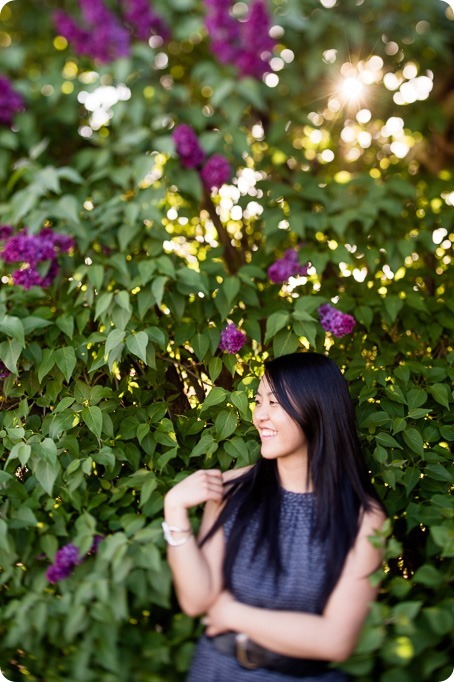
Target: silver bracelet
168	530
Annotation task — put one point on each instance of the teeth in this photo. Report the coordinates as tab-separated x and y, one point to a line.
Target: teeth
268	432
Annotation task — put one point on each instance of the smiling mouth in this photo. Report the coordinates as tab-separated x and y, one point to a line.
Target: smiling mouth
267	433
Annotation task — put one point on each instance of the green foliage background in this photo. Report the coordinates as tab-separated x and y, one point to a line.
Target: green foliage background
118	387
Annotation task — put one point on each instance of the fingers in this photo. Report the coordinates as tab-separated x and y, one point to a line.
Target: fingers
199	487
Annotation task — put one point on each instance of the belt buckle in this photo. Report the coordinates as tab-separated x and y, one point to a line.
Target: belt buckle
241	651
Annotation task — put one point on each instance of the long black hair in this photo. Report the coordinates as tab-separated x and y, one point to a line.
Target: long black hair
312	390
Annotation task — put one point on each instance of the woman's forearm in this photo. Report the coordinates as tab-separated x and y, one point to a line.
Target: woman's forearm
197	583
302	635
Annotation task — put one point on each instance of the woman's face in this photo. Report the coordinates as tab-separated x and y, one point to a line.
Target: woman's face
281	436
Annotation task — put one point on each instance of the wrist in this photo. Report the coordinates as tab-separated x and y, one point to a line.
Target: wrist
175	514
233	616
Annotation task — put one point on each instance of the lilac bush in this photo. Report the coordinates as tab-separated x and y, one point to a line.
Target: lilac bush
244	44
10	102
188	147
101	36
335	321
223	30
5	232
232	340
216	172
285	267
32	249
257	45
143	20
66	559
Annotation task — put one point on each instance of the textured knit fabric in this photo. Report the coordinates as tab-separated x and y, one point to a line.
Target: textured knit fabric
298	588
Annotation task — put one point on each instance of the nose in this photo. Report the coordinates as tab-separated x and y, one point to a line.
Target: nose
260	413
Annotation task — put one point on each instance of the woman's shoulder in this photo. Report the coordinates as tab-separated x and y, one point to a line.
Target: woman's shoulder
232	474
372	519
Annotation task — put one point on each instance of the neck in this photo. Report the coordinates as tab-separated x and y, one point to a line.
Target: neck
294	475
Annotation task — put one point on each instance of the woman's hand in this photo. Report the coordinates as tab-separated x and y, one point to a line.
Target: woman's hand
203	485
220	616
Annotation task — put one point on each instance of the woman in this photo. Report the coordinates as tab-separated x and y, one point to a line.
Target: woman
281	569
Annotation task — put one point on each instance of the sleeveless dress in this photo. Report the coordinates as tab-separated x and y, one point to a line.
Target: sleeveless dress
299	588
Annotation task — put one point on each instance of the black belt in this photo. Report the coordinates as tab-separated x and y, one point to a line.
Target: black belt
251	656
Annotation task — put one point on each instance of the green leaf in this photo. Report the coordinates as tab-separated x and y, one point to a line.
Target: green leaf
387	440
12	326
216	396
22	451
285	342
399	424
106	457
122	300
102	303
137	344
429	575
415	398
92	417
10	351
395	393
46	474
441	393
206	445
65	359
47	362
240	400
66	324
226	423
275	322
414	440
393	306
158	287
441	620
201	344
444	537
96	276
231	287
114	339
214	368
190	282
5	543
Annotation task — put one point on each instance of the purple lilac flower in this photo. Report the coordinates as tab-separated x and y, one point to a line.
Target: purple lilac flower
246	44
4	371
34	248
216	171
232	340
10	102
31	249
5	232
224	31
97	539
102	37
187	145
285	267
27	248
66	559
27	278
335	321
257	44
143	20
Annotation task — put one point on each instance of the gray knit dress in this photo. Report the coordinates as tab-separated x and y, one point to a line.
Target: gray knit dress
298	589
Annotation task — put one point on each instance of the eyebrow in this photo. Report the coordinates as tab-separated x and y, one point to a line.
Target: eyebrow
268	394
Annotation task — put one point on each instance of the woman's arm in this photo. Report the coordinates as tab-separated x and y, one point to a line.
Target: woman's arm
196	571
331	636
